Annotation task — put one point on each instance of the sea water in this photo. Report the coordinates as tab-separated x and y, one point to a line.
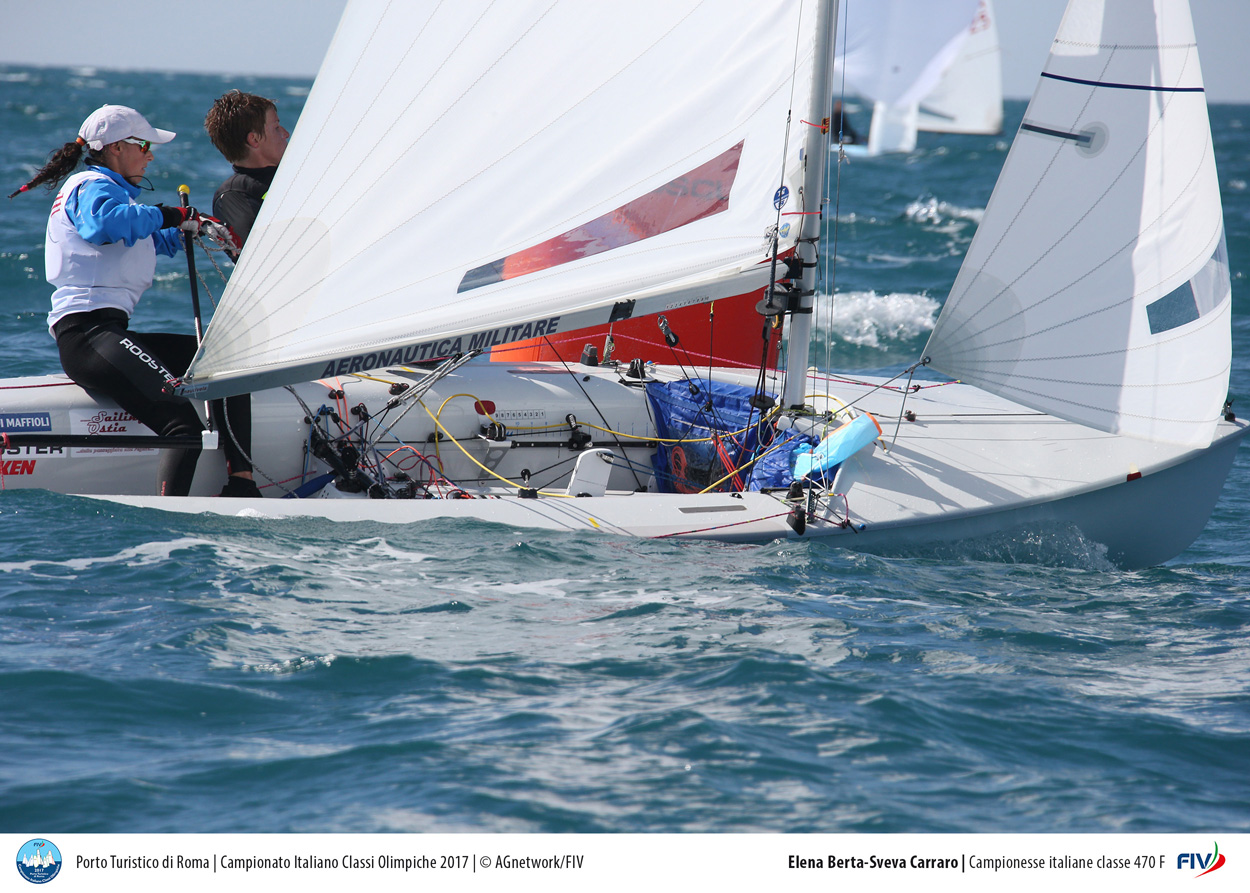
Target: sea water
174	673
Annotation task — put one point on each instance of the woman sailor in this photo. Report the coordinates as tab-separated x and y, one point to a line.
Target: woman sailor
100	253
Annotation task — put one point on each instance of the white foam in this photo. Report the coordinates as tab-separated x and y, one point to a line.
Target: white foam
931	211
135	556
868	319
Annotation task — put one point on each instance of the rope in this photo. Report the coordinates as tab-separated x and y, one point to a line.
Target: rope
573	376
472	459
664	536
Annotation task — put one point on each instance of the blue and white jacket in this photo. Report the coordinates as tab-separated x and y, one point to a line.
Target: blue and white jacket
101	244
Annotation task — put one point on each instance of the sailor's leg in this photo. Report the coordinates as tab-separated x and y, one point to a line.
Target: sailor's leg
122	365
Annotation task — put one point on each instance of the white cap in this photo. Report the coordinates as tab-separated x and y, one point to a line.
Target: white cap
113	123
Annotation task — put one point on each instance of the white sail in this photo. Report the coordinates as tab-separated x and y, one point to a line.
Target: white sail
895	51
1096	288
429	202
893	128
969	97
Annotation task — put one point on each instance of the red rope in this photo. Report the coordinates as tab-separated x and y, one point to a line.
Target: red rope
664	536
51	384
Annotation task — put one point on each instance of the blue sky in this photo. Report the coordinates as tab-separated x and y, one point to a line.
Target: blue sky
289	37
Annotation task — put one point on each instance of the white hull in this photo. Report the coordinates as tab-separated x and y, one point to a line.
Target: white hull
970	465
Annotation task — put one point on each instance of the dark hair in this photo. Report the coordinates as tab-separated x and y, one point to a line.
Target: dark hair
232	117
60	164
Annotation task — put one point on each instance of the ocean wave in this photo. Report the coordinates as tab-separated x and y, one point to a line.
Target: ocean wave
929	210
146	554
867	319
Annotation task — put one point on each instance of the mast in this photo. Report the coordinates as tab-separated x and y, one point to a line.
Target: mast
815	161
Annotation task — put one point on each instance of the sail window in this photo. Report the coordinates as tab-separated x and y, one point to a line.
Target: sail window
1200	295
1173	310
699	193
1211	285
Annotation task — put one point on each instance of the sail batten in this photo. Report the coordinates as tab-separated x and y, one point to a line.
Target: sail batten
1096	287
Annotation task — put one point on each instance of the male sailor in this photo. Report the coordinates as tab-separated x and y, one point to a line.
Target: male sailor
245	128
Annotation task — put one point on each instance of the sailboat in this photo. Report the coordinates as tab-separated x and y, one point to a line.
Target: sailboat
466	178
923	67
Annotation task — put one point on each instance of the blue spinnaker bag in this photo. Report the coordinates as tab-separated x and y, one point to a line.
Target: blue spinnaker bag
718	432
775	469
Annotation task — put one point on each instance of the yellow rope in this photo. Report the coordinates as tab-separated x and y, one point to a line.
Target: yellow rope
460	447
763	418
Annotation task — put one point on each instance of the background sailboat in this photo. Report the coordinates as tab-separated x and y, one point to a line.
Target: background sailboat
922	66
969	97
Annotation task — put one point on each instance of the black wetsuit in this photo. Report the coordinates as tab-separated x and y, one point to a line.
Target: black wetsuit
237	201
100	353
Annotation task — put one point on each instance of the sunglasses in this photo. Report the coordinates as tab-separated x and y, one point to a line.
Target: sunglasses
144	145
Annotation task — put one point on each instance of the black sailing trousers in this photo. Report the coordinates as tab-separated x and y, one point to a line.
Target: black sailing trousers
101	354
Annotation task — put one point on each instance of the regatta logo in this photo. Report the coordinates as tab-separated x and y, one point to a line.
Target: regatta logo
1208	861
25	421
981	21
38	861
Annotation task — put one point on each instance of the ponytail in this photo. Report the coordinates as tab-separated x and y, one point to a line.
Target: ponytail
61	164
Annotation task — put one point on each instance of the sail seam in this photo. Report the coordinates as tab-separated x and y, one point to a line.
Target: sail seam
1124	46
1117	304
950	339
1100	409
1212	317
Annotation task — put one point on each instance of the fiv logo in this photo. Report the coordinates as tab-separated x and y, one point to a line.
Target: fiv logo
1207	861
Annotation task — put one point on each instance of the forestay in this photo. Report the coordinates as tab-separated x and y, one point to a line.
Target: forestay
469	173
1096	288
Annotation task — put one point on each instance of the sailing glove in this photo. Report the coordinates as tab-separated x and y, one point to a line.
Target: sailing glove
185	219
220	232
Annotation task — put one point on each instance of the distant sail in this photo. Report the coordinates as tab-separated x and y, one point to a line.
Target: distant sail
1123	322
969	97
894	53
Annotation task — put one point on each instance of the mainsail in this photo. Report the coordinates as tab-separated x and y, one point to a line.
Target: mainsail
470	173
1096	288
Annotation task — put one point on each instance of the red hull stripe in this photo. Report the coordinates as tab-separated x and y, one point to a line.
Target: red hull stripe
700	193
